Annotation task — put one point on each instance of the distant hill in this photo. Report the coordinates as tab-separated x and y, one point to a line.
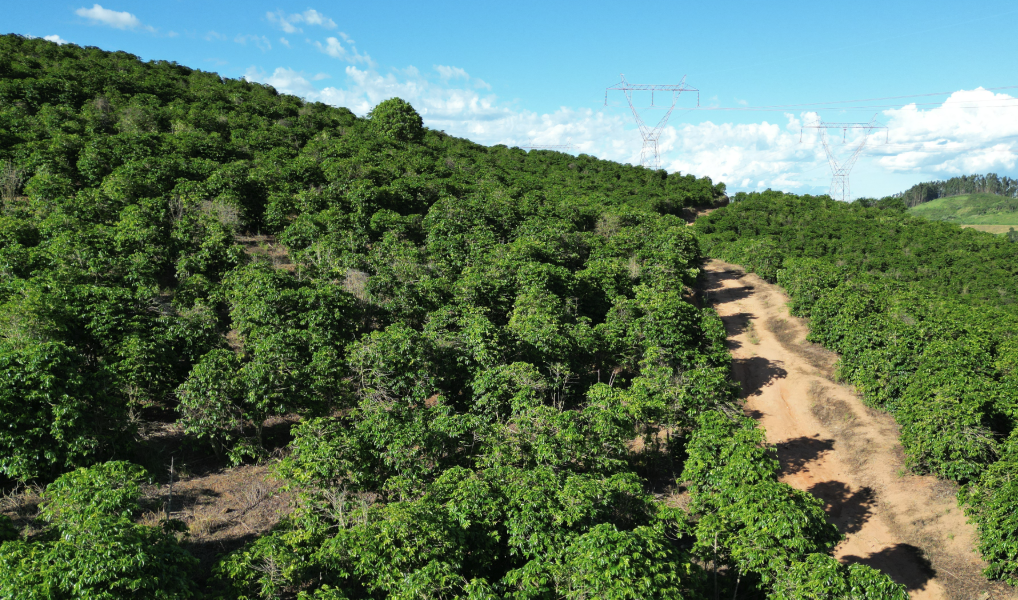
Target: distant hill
986	212
990	183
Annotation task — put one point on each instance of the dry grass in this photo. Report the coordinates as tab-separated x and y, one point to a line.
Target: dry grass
751	335
816	355
963	579
222	510
839	418
21	505
266	247
356	282
11	180
227	214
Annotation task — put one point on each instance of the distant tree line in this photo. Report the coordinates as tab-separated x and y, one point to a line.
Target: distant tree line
965	184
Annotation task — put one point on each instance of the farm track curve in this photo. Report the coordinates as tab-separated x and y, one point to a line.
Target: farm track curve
832	445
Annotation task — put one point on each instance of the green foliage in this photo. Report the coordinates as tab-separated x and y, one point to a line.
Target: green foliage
90	549
759	255
616	565
396	120
493	354
821	577
54	416
970	209
991	504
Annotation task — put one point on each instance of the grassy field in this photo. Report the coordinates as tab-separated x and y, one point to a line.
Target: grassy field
999	229
972	209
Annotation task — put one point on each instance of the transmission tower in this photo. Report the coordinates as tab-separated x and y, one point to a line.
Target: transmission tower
840	170
650	156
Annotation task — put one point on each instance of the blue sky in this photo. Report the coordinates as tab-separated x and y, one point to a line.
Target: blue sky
521	71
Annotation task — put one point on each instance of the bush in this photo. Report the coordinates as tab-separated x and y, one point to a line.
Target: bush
395	119
91	549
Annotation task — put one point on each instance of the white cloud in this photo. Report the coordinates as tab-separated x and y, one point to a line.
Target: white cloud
260	41
972	131
214	35
335	49
284	42
313	17
118	20
284	80
464	111
448	73
55	38
289	23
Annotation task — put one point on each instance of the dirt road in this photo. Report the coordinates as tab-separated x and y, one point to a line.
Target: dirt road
830	444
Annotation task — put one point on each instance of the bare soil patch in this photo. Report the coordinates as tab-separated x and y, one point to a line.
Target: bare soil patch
223	510
845	453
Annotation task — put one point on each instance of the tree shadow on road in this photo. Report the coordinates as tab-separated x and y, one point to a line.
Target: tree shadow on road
796	453
847	509
714	292
904	563
756	372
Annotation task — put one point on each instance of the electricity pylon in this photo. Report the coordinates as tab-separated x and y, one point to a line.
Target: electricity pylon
650	156
840	170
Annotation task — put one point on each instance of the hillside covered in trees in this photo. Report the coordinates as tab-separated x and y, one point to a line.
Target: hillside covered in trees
499	380
924	316
984	212
990	183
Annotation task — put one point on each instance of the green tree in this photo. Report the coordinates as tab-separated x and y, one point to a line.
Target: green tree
55	416
91	549
395	119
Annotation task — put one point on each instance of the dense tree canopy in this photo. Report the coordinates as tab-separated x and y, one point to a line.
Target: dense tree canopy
492	357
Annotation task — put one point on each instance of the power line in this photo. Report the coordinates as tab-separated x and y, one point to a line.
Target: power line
650	155
784	107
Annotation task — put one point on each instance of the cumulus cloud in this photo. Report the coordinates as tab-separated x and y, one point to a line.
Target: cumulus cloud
111	18
747	155
447	73
215	35
972	131
290	23
334	48
55	38
284	80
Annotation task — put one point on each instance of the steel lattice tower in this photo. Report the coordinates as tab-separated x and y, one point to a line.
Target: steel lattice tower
840	189
650	156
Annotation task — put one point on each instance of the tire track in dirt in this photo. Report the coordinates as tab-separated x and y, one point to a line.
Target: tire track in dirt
830	444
